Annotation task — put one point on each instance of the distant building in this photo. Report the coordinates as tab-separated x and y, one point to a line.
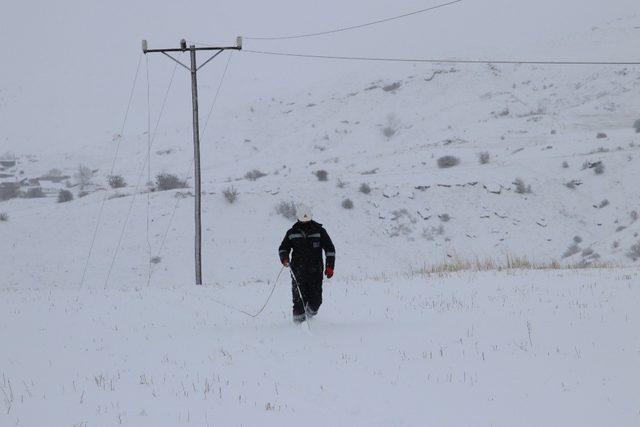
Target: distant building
8	163
54	178
30	184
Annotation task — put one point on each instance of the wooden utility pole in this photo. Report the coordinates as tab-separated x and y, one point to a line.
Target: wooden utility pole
193	69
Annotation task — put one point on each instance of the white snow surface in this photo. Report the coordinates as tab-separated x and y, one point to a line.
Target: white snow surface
498	348
129	342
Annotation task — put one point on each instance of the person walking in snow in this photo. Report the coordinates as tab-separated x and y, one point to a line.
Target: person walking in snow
307	239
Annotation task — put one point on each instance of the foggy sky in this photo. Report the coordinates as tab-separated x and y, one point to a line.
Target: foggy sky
67	66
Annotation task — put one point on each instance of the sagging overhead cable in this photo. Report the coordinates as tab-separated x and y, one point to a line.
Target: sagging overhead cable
354	27
118	139
442	61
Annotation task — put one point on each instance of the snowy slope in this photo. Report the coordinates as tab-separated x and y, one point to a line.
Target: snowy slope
530	119
134	343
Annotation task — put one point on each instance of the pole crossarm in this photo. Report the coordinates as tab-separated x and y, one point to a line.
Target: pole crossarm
193	69
192	48
174	59
212	56
179	49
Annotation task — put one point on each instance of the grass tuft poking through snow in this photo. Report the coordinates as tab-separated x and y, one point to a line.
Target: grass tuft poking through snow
509	262
230	195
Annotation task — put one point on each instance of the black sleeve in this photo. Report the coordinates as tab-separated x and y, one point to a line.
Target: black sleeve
285	248
329	249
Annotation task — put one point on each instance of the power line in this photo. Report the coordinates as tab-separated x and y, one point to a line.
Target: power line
148	166
353	27
113	164
440	61
140	173
239	310
215	97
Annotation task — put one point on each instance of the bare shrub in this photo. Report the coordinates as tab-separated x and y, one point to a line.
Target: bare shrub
370	172
599	168
521	188
404	223
341	184
322	175
448	162
571	250
54	173
9	190
230	194
431	232
347	204
444	217
392	87
620	228
392	127
587	252
4	217
634	251
116	181
577	239
565	165
636	125
35	193
65	196
287	210
634	216
255	174
364	188
83	175
601	135
484	157
603	203
168	181
502	113
572	184
388	131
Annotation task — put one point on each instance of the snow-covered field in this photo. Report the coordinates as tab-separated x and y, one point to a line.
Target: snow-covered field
526	348
99	321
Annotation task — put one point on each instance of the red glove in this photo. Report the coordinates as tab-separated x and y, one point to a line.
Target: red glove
285	261
328	272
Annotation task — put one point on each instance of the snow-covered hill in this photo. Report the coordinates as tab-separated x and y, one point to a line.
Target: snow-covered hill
565	132
424	165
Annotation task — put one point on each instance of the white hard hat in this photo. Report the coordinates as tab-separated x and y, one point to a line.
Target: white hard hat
303	213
